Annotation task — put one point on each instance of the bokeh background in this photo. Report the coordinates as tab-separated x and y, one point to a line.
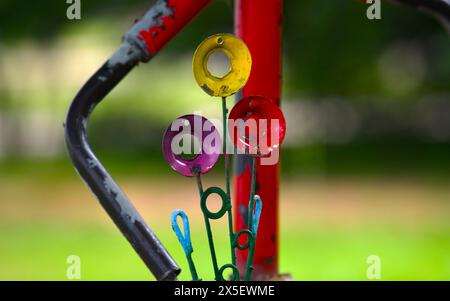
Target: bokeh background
365	167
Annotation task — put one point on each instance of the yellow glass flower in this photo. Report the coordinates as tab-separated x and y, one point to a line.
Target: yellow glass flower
240	65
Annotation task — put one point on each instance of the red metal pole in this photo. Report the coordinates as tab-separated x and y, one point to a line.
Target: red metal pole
258	24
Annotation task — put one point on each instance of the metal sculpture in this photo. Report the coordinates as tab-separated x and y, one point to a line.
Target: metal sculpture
252	109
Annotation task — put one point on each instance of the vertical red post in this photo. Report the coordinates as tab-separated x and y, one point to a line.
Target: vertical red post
258	24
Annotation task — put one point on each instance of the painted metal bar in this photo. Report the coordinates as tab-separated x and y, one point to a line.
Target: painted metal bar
258	24
147	36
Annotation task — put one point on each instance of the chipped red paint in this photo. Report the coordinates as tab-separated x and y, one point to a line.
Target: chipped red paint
258	23
182	12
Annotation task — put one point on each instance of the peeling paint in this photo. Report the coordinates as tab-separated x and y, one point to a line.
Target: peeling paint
269	260
125	54
157	19
92	107
155	29
84	122
207	89
243	163
92	163
128	211
243	211
136	42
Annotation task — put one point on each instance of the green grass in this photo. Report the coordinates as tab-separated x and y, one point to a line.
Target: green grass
38	251
405	255
328	228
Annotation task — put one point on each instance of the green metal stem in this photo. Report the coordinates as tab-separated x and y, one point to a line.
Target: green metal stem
198	177
209	232
192	268
227	177
251	206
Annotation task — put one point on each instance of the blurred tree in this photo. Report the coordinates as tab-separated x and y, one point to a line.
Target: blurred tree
331	47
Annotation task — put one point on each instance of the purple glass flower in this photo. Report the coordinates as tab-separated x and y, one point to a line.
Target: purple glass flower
191	144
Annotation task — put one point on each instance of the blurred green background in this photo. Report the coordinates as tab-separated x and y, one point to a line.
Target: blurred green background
365	167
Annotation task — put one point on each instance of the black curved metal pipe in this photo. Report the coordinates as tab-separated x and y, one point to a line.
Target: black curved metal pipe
111	197
140	44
